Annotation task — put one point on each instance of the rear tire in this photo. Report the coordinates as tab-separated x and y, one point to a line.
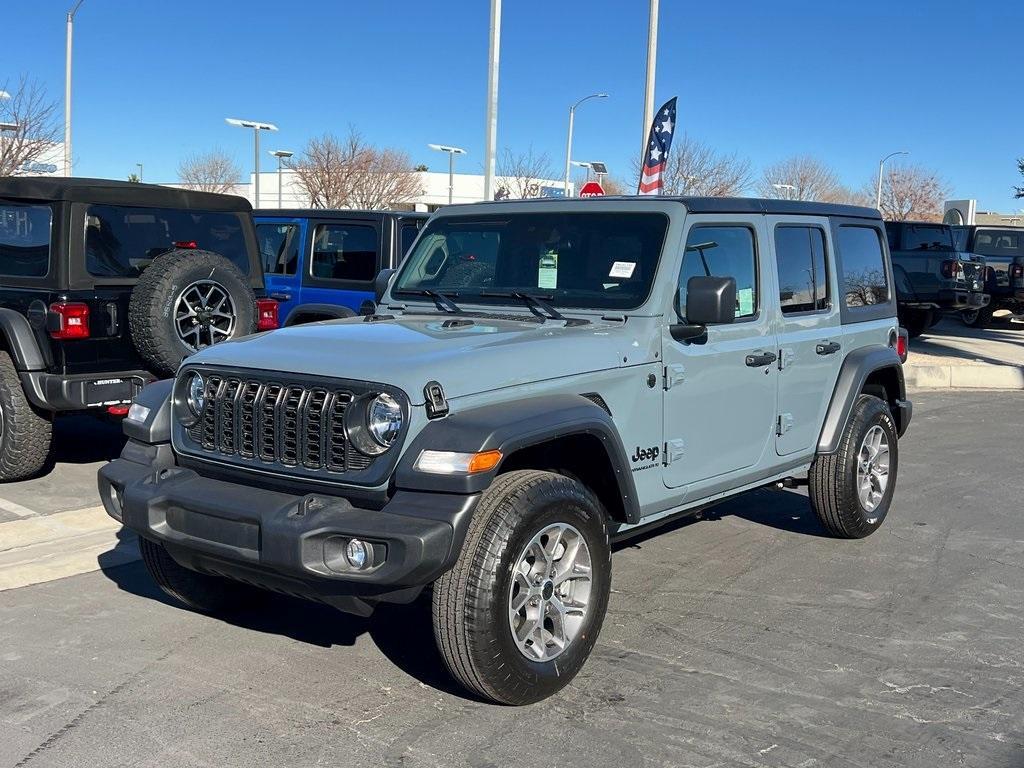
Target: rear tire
198	591
868	451
916	321
26	434
504	583
977	318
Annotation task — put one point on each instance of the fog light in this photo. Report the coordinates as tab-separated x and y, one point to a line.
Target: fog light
357	553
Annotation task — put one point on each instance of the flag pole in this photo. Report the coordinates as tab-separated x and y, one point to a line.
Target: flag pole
652	60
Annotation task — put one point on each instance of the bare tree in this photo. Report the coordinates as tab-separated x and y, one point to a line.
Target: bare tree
694	168
1018	192
520	174
211	172
909	193
349	173
803	178
36	130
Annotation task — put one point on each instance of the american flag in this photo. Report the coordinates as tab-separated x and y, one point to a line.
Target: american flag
658	144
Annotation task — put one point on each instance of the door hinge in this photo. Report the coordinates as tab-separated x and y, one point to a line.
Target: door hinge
674	450
674	374
786	356
785	423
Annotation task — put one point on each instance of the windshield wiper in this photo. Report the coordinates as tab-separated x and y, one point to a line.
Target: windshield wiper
538	304
442	300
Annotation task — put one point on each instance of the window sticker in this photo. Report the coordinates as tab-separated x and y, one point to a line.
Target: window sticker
622	269
745	300
547	271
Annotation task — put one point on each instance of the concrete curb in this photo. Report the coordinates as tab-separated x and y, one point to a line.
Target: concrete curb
969	376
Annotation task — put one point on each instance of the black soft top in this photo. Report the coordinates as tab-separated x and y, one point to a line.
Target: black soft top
108	192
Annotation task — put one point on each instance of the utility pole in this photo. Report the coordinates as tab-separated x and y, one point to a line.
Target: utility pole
652	60
494	52
67	88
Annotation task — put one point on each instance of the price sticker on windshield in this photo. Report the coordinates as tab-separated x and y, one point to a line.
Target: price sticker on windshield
622	269
547	271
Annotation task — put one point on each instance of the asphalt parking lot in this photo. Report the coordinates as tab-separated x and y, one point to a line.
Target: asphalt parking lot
746	638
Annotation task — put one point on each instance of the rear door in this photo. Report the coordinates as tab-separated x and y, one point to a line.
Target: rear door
810	332
343	262
281	244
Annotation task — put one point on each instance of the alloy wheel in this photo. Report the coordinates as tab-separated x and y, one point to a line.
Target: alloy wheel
204	314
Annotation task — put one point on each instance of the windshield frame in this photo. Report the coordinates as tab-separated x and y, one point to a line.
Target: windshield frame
484	303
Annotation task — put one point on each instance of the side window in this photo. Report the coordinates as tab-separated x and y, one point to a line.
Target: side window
408	234
803	279
864	281
24	240
722	251
345	252
279	247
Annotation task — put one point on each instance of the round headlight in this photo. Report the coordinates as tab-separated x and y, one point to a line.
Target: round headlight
195	394
384	419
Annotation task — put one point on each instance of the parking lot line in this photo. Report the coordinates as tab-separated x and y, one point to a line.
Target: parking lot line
15	509
39	549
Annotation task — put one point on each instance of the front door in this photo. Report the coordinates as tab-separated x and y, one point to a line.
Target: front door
720	391
343	262
281	242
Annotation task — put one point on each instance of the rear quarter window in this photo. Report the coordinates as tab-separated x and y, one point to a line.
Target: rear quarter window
25	239
865	281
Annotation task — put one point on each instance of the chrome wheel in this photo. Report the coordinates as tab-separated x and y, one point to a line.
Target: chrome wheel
204	314
873	468
550	592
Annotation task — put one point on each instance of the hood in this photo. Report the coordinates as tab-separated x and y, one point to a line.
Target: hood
412	350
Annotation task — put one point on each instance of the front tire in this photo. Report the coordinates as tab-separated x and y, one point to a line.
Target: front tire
26	434
851	490
198	591
518	615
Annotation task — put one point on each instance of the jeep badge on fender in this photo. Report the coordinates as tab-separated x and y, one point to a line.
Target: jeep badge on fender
502	491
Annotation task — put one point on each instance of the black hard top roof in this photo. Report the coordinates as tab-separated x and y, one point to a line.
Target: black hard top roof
334	213
109	192
728	205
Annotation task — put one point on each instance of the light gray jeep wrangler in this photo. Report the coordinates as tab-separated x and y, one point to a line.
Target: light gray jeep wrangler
539	378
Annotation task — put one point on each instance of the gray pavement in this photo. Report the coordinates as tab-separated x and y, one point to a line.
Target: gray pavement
747	638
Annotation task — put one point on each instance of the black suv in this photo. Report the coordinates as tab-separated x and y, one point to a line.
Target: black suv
932	275
105	286
1003	250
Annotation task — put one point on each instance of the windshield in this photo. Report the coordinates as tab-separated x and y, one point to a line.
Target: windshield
121	241
927	237
999	242
583	260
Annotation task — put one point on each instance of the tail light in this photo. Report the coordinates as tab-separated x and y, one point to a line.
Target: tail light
900	341
188	245
1017	273
951	268
266	315
68	320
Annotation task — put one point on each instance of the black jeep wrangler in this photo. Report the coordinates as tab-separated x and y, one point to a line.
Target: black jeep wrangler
1003	250
105	286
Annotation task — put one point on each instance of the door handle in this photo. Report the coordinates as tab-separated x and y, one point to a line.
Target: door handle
761	358
281	296
827	349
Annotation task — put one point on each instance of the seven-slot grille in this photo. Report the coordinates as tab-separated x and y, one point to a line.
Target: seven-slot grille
290	425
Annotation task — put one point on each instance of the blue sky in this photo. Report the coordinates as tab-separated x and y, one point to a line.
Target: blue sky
846	82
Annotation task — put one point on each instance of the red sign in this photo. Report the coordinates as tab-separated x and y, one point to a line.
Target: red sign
591	189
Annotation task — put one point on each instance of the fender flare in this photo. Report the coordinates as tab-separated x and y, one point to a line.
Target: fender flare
509	427
856	369
327	311
20	341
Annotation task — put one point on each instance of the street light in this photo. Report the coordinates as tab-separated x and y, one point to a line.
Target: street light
139	166
256	128
568	143
12	127
67	89
281	155
788	187
878	191
452	152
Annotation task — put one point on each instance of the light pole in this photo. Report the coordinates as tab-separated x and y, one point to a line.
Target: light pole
67	89
568	142
491	138
281	155
256	128
139	166
878	191
788	187
588	166
452	152
12	127
652	60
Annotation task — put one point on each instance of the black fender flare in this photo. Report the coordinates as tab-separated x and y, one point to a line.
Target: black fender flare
856	369
325	311
20	341
509	427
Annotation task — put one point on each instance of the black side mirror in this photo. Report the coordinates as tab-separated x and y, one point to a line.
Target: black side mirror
380	284
709	301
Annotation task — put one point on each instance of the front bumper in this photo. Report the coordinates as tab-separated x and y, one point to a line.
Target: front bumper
57	392
284	542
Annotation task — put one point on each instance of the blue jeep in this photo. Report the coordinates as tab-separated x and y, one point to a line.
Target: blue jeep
321	264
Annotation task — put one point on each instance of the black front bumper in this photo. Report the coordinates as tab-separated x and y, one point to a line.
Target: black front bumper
57	392
284	542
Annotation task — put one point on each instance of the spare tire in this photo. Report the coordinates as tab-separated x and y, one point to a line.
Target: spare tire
187	300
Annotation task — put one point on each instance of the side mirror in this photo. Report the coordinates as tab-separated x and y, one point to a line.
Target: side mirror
380	283
709	301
